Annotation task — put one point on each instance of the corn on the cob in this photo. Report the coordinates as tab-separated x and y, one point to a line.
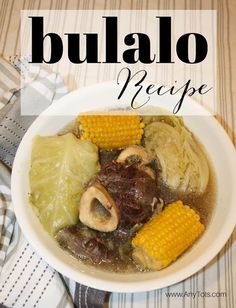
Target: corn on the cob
111	131
166	236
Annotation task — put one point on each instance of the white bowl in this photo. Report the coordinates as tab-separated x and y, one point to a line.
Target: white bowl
221	153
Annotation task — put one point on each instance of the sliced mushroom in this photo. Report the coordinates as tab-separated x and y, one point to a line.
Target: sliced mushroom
134	154
98	210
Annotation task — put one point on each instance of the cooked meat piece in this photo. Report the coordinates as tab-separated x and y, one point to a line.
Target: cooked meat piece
83	243
132	189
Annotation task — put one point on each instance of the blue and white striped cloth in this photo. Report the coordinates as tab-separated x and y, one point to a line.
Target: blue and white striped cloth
26	280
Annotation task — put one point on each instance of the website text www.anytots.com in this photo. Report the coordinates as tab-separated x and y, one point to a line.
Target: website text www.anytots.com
195	294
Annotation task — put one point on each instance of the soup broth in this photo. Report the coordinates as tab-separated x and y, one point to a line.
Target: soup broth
119	241
137	190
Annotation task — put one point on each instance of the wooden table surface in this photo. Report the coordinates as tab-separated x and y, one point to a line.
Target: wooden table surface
222	265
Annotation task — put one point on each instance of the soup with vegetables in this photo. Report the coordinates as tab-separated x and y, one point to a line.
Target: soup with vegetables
123	192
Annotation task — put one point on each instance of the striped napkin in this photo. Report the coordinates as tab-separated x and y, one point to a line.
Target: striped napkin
26	280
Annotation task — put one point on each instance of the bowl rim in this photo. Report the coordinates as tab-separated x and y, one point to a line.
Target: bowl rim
110	285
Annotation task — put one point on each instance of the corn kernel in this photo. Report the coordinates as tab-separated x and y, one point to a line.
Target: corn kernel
166	236
109	131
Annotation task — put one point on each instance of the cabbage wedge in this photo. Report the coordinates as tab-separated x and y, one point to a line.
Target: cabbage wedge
60	168
181	159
